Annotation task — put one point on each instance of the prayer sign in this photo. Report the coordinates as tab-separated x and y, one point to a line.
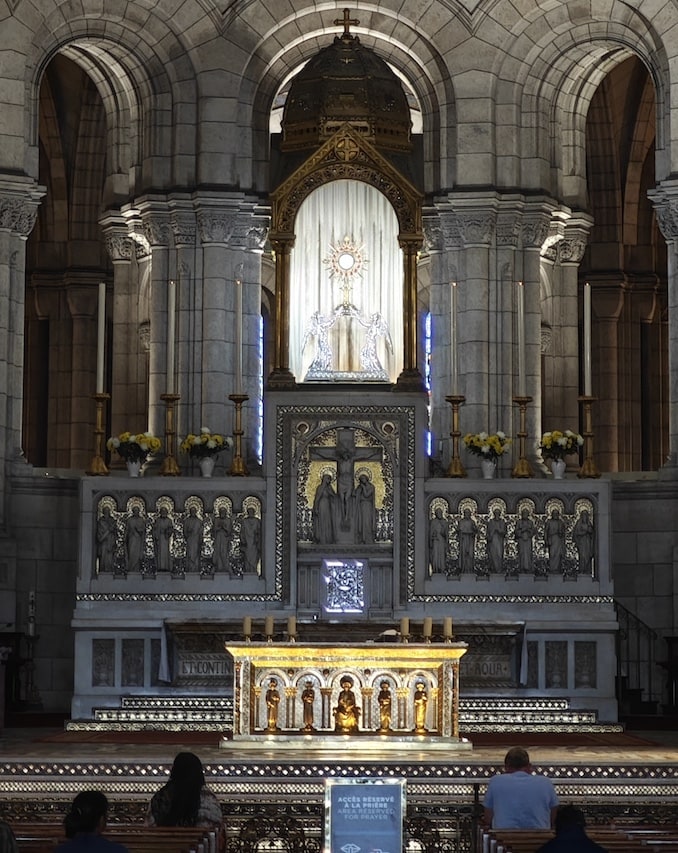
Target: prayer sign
364	815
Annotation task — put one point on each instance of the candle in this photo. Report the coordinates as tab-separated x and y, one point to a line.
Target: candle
292	626
428	626
268	626
247	626
447	627
238	336
101	337
521	339
454	367
405	626
31	613
587	340
171	333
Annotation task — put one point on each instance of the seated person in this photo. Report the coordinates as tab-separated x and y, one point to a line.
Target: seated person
570	834
7	840
185	800
84	825
519	798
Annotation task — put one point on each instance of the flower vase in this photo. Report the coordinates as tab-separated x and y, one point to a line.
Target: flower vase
133	467
489	468
207	464
558	467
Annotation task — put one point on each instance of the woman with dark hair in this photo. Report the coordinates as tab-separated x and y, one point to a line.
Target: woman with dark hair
84	824
185	800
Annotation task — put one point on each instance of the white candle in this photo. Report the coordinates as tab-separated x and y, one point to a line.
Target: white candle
454	367
428	626
247	626
171	333
447	627
31	613
238	336
292	626
521	339
405	626
587	340
268	626
101	337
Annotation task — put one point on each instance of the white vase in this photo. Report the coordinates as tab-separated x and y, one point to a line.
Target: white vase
489	468
207	464
558	467
133	467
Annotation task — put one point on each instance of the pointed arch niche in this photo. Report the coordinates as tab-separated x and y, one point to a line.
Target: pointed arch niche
346	189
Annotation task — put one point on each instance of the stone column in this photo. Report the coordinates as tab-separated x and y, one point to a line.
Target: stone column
156	227
665	200
504	350
189	306
19	199
128	405
82	304
410	378
281	376
607	302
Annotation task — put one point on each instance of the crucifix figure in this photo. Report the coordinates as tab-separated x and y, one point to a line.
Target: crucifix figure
345	454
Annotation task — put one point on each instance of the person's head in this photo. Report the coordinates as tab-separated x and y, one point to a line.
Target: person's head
187	770
87	814
7	840
516	758
568	817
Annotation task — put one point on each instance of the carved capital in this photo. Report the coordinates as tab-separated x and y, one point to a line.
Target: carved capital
571	250
215	227
184	228
534	232
17	214
156	229
119	246
476	228
508	229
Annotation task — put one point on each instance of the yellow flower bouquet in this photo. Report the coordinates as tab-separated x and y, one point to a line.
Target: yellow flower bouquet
485	445
557	444
134	447
205	443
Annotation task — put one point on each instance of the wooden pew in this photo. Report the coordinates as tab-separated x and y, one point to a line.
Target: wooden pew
44	837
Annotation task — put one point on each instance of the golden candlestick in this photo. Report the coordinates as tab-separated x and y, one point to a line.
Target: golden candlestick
522	468
169	467
97	467
238	467
588	469
455	468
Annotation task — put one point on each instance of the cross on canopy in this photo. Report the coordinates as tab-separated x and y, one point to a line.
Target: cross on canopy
347	21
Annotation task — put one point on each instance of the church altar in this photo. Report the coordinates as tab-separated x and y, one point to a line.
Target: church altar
300	695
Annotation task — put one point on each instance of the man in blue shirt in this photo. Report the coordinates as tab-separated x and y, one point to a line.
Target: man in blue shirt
519	798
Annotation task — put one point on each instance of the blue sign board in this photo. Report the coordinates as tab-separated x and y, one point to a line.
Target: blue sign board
364	815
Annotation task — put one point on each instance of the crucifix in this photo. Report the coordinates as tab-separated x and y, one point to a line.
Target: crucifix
347	21
345	454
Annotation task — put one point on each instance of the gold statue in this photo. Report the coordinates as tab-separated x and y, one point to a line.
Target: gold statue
420	702
272	705
308	698
346	713
385	707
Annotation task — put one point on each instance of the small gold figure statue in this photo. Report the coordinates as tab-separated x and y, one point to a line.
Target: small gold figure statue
272	705
385	707
346	713
420	702
308	698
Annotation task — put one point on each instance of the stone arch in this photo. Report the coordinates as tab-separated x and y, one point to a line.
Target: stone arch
406	48
140	88
560	63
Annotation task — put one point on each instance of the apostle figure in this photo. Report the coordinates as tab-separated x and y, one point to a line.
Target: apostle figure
324	508
106	536
365	513
496	534
193	536
583	539
385	701
272	706
308	700
346	713
438	541
554	534
223	534
524	534
420	703
467	529
135	532
162	537
250	540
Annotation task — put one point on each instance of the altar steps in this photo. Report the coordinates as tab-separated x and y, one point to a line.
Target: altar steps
215	714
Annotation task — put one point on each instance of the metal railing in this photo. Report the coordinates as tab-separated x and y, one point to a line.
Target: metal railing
637	680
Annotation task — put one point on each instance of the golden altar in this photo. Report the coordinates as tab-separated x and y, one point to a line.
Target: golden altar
295	695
